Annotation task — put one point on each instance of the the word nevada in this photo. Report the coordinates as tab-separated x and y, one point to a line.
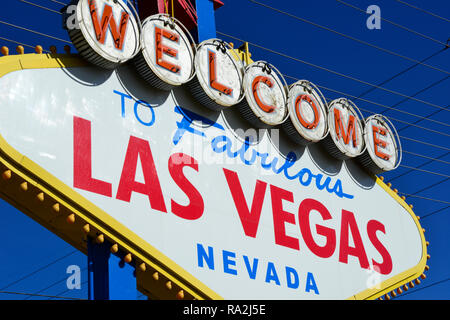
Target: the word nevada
165	55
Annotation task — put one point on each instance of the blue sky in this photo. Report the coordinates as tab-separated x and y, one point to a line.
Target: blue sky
319	55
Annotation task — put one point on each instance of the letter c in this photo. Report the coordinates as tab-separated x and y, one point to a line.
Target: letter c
265	107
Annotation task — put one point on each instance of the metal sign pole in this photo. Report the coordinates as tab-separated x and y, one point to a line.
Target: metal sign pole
205	20
109	277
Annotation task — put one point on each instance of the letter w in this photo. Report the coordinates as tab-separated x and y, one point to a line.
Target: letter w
107	19
249	219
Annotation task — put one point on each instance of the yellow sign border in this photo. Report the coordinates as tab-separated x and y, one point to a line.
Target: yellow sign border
56	205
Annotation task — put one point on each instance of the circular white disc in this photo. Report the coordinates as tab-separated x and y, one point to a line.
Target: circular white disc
306	110
274	96
108	50
183	58
226	72
346	110
371	132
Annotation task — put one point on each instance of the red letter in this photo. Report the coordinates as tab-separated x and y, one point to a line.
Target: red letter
264	107
339	127
280	217
377	142
298	102
372	227
108	20
82	160
249	219
140	148
348	221
160	49
214	83
194	209
304	212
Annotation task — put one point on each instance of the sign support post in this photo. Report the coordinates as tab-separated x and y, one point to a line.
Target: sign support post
109	277
205	20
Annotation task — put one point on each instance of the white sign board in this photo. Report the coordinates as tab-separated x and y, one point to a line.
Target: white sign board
245	211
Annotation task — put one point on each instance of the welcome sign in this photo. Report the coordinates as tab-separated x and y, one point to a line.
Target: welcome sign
165	58
215	197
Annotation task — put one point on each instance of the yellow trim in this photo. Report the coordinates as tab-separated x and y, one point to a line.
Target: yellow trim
243	54
41	180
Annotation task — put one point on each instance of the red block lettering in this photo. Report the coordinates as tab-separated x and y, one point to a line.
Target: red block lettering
162	49
107	19
386	266
151	187
351	128
306	124
82	160
379	143
262	79
249	219
194	209
348	222
304	212
214	83
280	217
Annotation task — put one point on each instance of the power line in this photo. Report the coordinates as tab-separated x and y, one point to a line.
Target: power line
64	4
38	270
423	10
424	287
405	166
375	103
35	32
403	71
333	72
42	7
59	294
417	121
423	90
434	212
421	165
53	284
394	23
38	295
425	171
425	157
423	118
20	43
379	104
349	37
412	124
425	143
432	185
409	124
423	198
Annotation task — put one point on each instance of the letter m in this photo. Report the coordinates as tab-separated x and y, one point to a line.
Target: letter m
107	20
339	127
